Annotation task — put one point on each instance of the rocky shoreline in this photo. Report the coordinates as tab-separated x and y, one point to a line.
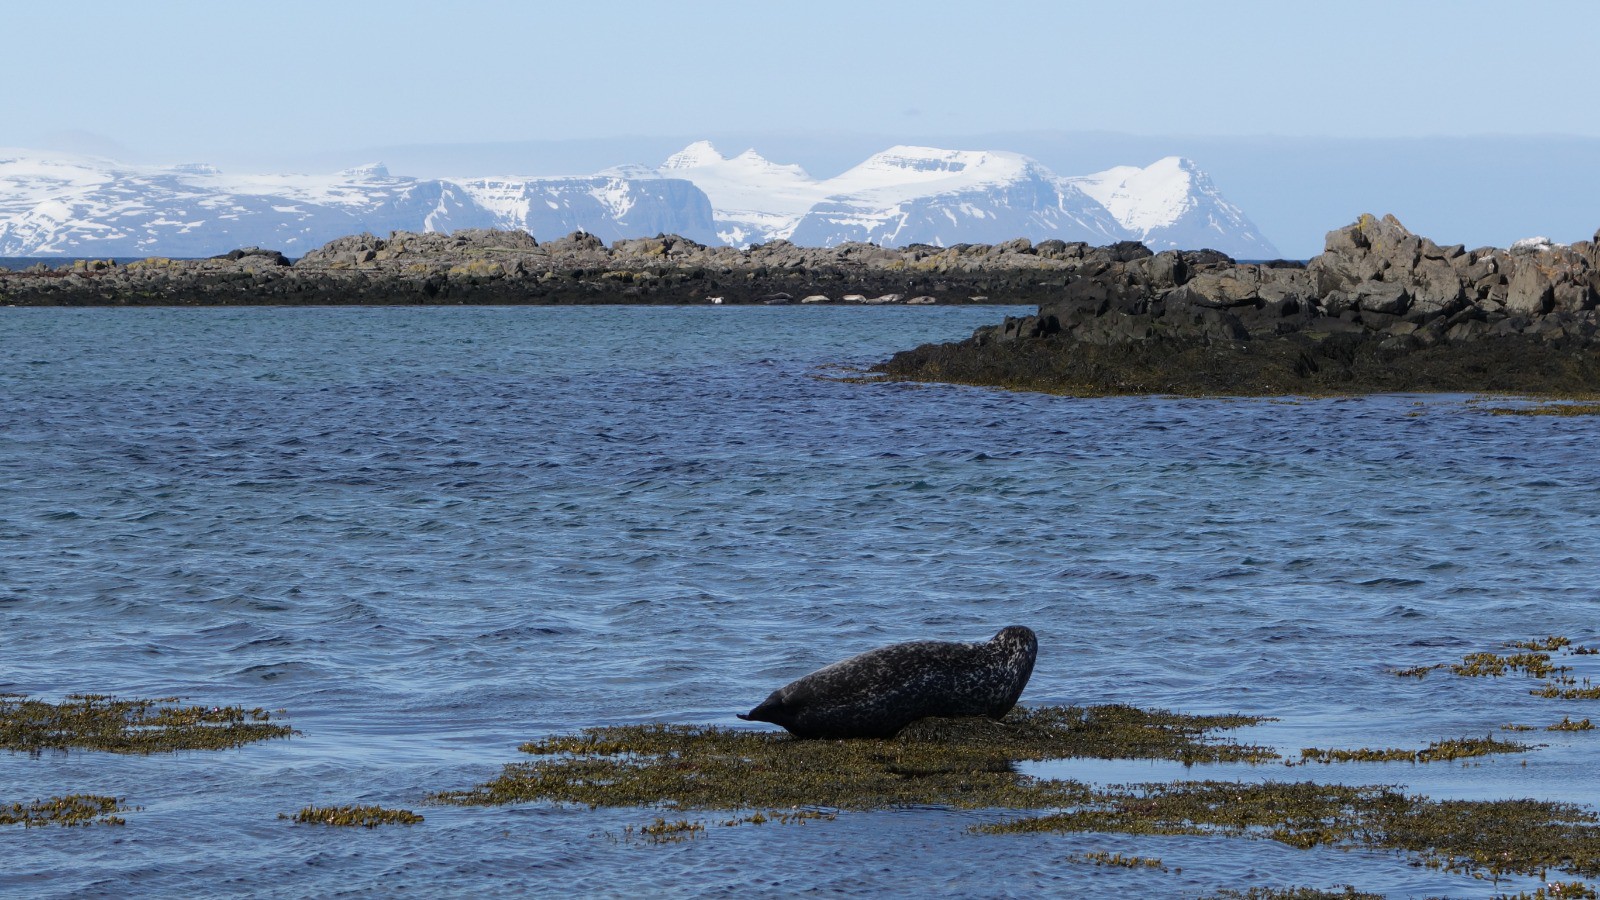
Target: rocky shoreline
510	267
1381	309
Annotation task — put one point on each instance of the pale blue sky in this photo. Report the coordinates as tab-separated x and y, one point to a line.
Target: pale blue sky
172	81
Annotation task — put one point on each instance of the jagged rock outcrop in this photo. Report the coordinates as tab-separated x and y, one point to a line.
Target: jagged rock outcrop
1374	277
1380	306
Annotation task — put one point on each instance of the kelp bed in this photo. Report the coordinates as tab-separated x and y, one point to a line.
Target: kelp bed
1496	837
1536	659
71	810
971	764
100	722
966	763
764	776
354	816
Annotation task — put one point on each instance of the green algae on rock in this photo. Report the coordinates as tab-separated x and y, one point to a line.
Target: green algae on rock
100	722
354	816
965	763
1460	748
73	810
1495	837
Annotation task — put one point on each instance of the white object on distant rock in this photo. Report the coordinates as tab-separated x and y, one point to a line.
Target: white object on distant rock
1539	244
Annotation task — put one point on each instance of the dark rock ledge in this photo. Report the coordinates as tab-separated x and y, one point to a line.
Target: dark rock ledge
488	267
1381	309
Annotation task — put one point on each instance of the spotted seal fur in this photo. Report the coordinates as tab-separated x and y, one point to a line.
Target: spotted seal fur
882	691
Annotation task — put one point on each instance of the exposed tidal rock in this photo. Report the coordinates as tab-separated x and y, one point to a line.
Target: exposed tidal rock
1380	309
492	266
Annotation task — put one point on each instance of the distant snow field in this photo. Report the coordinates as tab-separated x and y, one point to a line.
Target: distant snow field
81	206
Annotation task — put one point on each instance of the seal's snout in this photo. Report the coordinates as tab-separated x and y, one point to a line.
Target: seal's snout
744	716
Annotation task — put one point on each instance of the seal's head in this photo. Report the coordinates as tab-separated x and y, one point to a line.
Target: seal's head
1014	649
1016	641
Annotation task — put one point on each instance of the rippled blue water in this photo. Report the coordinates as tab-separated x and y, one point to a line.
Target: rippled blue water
433	534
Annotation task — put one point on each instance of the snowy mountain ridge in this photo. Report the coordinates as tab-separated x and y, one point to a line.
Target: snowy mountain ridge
82	206
909	194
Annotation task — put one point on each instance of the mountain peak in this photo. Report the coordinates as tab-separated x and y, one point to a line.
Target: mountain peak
1173	162
697	154
1173	203
370	170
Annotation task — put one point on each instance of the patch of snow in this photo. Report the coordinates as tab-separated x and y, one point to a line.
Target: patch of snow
1143	199
1538	244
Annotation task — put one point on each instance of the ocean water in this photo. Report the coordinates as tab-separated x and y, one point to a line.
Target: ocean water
433	534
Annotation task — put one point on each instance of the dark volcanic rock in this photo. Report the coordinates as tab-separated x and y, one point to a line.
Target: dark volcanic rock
510	267
1381	309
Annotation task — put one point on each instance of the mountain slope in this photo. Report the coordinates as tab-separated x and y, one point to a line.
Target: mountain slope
90	207
923	195
755	200
1171	204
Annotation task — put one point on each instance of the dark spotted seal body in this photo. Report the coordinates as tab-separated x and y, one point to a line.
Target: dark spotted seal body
882	691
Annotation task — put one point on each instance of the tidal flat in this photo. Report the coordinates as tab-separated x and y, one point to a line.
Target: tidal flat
433	536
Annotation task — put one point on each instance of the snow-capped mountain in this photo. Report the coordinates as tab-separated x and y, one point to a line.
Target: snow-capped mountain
754	200
1172	204
92	207
921	195
926	195
51	205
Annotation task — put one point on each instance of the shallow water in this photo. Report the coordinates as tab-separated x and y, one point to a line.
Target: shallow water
432	534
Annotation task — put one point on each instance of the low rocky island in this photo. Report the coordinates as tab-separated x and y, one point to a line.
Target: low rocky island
510	267
1381	309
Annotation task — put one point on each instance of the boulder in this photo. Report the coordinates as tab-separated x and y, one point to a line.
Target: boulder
1530	291
270	257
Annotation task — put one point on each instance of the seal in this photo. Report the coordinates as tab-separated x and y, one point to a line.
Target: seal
882	691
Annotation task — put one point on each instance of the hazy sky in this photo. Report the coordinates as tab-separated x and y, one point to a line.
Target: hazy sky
174	81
